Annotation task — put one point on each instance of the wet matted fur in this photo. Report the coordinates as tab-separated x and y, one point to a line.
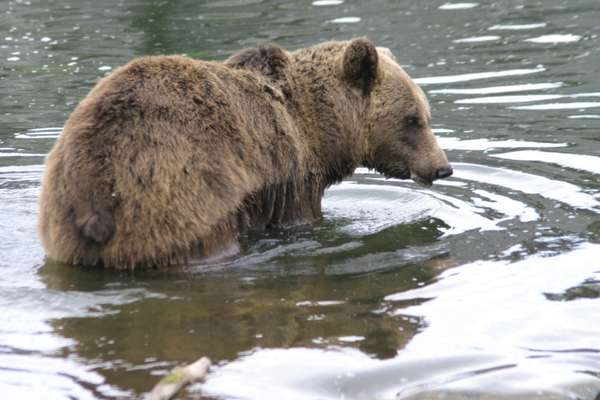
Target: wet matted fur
169	159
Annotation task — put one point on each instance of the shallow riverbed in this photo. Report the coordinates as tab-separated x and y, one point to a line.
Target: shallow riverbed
486	285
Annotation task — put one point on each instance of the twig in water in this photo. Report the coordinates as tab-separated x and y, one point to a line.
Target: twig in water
168	387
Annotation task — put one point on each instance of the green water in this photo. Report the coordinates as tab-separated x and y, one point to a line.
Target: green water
486	285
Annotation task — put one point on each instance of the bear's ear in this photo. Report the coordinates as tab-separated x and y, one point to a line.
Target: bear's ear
359	64
268	59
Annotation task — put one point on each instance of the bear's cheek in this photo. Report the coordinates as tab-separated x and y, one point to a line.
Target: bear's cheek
391	160
409	155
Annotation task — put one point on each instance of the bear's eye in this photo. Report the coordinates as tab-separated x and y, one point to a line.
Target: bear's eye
412	121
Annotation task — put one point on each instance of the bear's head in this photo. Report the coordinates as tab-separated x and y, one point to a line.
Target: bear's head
399	142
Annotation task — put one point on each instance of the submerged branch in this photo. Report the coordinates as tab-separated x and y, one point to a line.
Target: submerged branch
168	387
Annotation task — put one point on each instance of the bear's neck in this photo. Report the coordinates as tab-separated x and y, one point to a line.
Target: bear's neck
330	114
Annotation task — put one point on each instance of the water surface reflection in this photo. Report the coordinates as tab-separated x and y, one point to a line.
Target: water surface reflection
228	313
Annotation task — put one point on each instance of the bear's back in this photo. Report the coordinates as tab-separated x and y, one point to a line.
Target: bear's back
156	162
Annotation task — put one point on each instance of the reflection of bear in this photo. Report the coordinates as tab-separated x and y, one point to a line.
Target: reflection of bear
170	158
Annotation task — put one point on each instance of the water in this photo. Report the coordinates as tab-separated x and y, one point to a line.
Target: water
486	285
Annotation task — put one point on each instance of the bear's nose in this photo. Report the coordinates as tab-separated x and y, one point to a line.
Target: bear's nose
443	172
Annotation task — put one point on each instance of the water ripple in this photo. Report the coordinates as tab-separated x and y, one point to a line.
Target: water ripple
517	27
559	106
524	98
501	89
584	116
457	6
575	161
327	2
372	208
555	39
345	20
462	291
228	16
232	3
21	173
453	143
527	183
471	77
15	154
48	133
477	39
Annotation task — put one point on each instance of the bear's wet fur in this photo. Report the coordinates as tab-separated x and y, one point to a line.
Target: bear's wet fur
170	159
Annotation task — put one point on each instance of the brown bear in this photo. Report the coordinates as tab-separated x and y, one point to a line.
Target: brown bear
170	159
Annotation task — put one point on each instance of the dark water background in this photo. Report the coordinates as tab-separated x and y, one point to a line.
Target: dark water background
487	285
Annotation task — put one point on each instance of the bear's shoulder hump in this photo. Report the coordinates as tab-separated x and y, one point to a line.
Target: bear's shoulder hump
268	59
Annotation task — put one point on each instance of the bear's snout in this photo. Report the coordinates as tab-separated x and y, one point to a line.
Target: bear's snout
444	171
